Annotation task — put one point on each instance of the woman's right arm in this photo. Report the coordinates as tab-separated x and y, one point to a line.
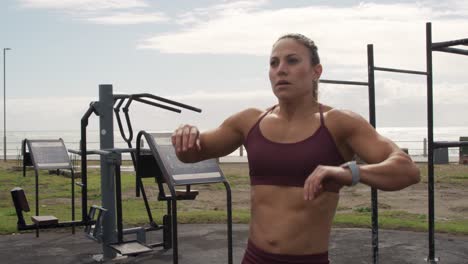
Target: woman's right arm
192	146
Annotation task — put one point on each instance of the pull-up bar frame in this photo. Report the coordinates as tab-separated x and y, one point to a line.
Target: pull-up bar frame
430	47
371	94
446	46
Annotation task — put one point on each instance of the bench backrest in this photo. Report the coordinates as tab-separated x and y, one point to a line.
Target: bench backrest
177	172
49	154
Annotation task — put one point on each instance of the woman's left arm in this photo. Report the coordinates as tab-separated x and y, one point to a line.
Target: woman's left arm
388	168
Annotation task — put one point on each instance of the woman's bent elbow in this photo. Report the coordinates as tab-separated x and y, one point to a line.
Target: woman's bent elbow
410	176
415	175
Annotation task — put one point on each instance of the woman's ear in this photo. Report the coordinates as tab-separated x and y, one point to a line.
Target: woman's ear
317	70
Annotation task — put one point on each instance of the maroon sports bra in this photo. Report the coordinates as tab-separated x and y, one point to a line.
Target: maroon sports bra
289	164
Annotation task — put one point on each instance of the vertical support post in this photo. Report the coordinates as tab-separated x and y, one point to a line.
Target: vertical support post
374	195
4	105
84	163
73	199
106	133
241	150
115	159
175	241
229	221
36	177
425	147
430	136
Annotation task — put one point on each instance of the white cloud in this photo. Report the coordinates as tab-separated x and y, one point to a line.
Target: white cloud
109	12
129	18
226	8
342	33
245	27
88	5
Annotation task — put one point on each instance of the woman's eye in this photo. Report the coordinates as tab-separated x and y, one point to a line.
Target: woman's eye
293	60
273	63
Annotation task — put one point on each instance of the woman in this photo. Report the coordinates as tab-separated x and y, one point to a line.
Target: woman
298	152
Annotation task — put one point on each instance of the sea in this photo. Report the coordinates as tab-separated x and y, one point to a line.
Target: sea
412	138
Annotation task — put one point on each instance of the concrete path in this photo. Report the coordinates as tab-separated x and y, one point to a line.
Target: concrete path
207	244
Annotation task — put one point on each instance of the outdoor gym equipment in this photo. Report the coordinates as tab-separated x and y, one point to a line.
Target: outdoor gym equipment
174	173
46	154
112	230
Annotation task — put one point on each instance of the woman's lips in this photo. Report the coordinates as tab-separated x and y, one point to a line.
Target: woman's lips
282	83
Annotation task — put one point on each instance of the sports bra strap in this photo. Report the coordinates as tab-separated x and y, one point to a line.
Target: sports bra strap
263	116
268	111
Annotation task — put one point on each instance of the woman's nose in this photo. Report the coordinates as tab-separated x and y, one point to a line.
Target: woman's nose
282	68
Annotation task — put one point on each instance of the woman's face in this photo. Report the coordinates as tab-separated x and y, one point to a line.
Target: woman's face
291	73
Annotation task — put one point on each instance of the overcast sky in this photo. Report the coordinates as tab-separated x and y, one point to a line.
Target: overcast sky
214	55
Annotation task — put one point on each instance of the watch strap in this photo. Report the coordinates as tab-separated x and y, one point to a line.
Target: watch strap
355	173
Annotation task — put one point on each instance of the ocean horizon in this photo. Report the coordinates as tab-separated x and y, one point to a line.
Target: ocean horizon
411	138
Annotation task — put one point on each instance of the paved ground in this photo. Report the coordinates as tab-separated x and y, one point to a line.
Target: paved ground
207	244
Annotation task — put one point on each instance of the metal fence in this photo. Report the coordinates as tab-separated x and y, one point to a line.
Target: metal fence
413	147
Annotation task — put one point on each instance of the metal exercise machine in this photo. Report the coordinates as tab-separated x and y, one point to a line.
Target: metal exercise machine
47	155
112	230
173	173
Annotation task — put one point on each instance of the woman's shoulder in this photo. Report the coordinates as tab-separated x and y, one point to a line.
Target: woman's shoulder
248	113
340	116
246	117
244	120
252	112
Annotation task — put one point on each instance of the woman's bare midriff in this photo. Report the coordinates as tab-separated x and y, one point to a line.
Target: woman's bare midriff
283	222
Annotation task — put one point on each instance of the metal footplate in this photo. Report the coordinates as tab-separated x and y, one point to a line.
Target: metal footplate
130	248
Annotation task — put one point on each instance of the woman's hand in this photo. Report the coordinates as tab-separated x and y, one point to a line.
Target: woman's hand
326	178
186	140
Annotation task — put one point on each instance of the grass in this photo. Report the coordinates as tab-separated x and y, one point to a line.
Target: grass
400	220
55	200
447	173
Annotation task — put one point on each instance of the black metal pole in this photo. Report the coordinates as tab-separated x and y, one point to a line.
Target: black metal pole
155	97
447	44
452	50
374	195
4	104
343	82
449	144
106	138
37	199
84	163
175	241
128	139
118	200
73	198
430	137
138	177
155	104
399	70
229	220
